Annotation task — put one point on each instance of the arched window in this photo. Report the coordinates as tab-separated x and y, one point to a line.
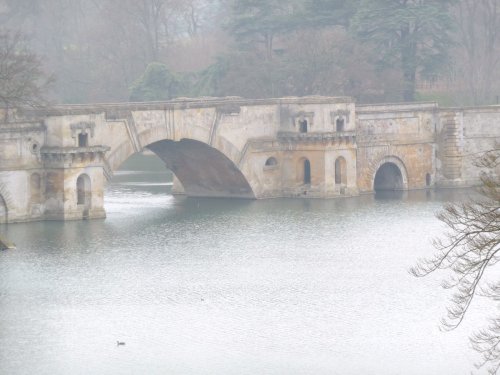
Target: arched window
83	140
271	162
83	190
340	124
36	188
340	171
307	172
303	126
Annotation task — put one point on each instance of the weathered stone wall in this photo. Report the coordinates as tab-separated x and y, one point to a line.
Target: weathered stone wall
291	133
402	134
20	144
54	163
463	135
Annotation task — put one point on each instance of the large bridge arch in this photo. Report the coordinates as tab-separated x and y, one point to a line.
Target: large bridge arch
204	161
202	170
390	173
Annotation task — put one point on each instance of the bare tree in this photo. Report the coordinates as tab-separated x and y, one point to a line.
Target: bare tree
198	15
471	250
479	36
150	22
22	79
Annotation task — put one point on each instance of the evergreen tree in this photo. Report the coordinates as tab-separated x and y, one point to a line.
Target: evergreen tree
157	83
413	35
258	22
321	13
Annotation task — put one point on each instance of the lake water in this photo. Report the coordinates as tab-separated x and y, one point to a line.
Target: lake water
209	286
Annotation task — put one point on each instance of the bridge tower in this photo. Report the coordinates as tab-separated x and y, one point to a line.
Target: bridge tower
74	174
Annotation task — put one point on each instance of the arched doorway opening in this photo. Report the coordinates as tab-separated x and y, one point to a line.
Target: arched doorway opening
303	172
340	171
307	172
83	191
388	178
3	211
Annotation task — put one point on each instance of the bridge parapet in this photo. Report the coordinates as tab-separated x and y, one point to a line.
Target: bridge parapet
54	162
179	103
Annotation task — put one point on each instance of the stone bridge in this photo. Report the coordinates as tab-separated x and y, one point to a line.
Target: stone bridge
54	163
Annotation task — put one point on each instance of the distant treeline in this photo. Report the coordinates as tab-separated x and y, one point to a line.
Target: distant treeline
372	50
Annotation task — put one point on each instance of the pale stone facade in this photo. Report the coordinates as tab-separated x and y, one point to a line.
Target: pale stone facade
54	164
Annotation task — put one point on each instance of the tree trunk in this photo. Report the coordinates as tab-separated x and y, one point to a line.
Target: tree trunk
409	86
408	63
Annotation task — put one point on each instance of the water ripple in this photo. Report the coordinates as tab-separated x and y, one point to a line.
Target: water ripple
211	286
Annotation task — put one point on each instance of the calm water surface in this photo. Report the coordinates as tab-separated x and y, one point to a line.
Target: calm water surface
197	286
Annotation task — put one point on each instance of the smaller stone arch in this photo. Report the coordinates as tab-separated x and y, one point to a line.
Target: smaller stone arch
83	191
340	171
390	173
4	211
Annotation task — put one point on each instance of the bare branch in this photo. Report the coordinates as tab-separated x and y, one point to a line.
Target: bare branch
469	250
22	79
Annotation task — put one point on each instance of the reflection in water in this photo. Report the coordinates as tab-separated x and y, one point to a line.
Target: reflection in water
215	286
391	194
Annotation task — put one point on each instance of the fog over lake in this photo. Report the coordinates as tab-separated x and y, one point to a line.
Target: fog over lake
209	286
